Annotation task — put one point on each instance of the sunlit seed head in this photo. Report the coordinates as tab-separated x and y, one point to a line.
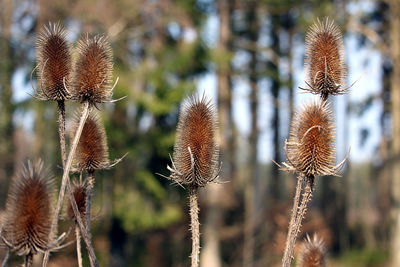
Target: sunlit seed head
93	70
311	147
312	253
196	132
28	211
54	65
324	58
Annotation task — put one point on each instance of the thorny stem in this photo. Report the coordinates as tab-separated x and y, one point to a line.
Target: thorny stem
78	245
89	194
61	131
66	183
28	260
194	224
293	229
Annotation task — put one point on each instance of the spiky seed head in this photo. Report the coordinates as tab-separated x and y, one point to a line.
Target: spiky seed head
93	70
311	146
312	252
27	222
92	150
196	149
80	192
53	62
324	58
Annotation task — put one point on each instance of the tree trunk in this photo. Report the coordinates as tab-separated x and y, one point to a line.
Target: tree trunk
395	110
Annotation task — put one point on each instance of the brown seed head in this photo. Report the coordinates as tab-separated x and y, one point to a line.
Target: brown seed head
196	149
93	70
92	150
324	58
28	211
311	146
80	192
53	62
312	253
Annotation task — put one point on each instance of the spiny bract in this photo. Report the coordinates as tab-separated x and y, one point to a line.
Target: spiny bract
312	253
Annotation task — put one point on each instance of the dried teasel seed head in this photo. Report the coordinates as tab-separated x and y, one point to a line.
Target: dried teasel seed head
93	70
29	211
312	252
54	65
324	59
311	146
92	150
196	150
80	192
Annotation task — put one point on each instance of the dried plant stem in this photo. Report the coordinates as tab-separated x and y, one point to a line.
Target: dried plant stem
78	245
28	260
5	260
65	179
89	194
195	225
298	213
61	131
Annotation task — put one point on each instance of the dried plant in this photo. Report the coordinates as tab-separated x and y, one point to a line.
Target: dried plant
324	60
195	158
27	226
93	71
310	151
312	253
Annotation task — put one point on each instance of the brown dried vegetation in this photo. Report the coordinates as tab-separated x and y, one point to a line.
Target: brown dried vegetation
93	70
28	211
196	150
324	60
92	150
80	192
312	253
53	63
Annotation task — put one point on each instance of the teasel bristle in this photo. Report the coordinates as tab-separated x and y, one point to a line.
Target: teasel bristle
196	150
92	150
54	64
80	193
28	210
324	59
312	252
93	70
311	146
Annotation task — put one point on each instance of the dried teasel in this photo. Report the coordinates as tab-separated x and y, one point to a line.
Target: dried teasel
311	147
54	63
93	70
27	222
324	59
92	150
196	151
79	191
312	252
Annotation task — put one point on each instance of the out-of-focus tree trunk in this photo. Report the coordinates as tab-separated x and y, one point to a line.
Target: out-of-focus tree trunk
210	254
395	110
249	224
6	105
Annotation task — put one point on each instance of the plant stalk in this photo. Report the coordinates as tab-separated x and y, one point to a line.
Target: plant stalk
28	260
78	245
5	260
65	179
61	131
194	225
89	194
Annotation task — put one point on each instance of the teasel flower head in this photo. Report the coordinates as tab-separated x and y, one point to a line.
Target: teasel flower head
312	252
80	193
93	71
311	147
28	211
54	65
92	150
324	59
196	151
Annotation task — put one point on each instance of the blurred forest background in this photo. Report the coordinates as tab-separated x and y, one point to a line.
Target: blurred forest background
248	56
